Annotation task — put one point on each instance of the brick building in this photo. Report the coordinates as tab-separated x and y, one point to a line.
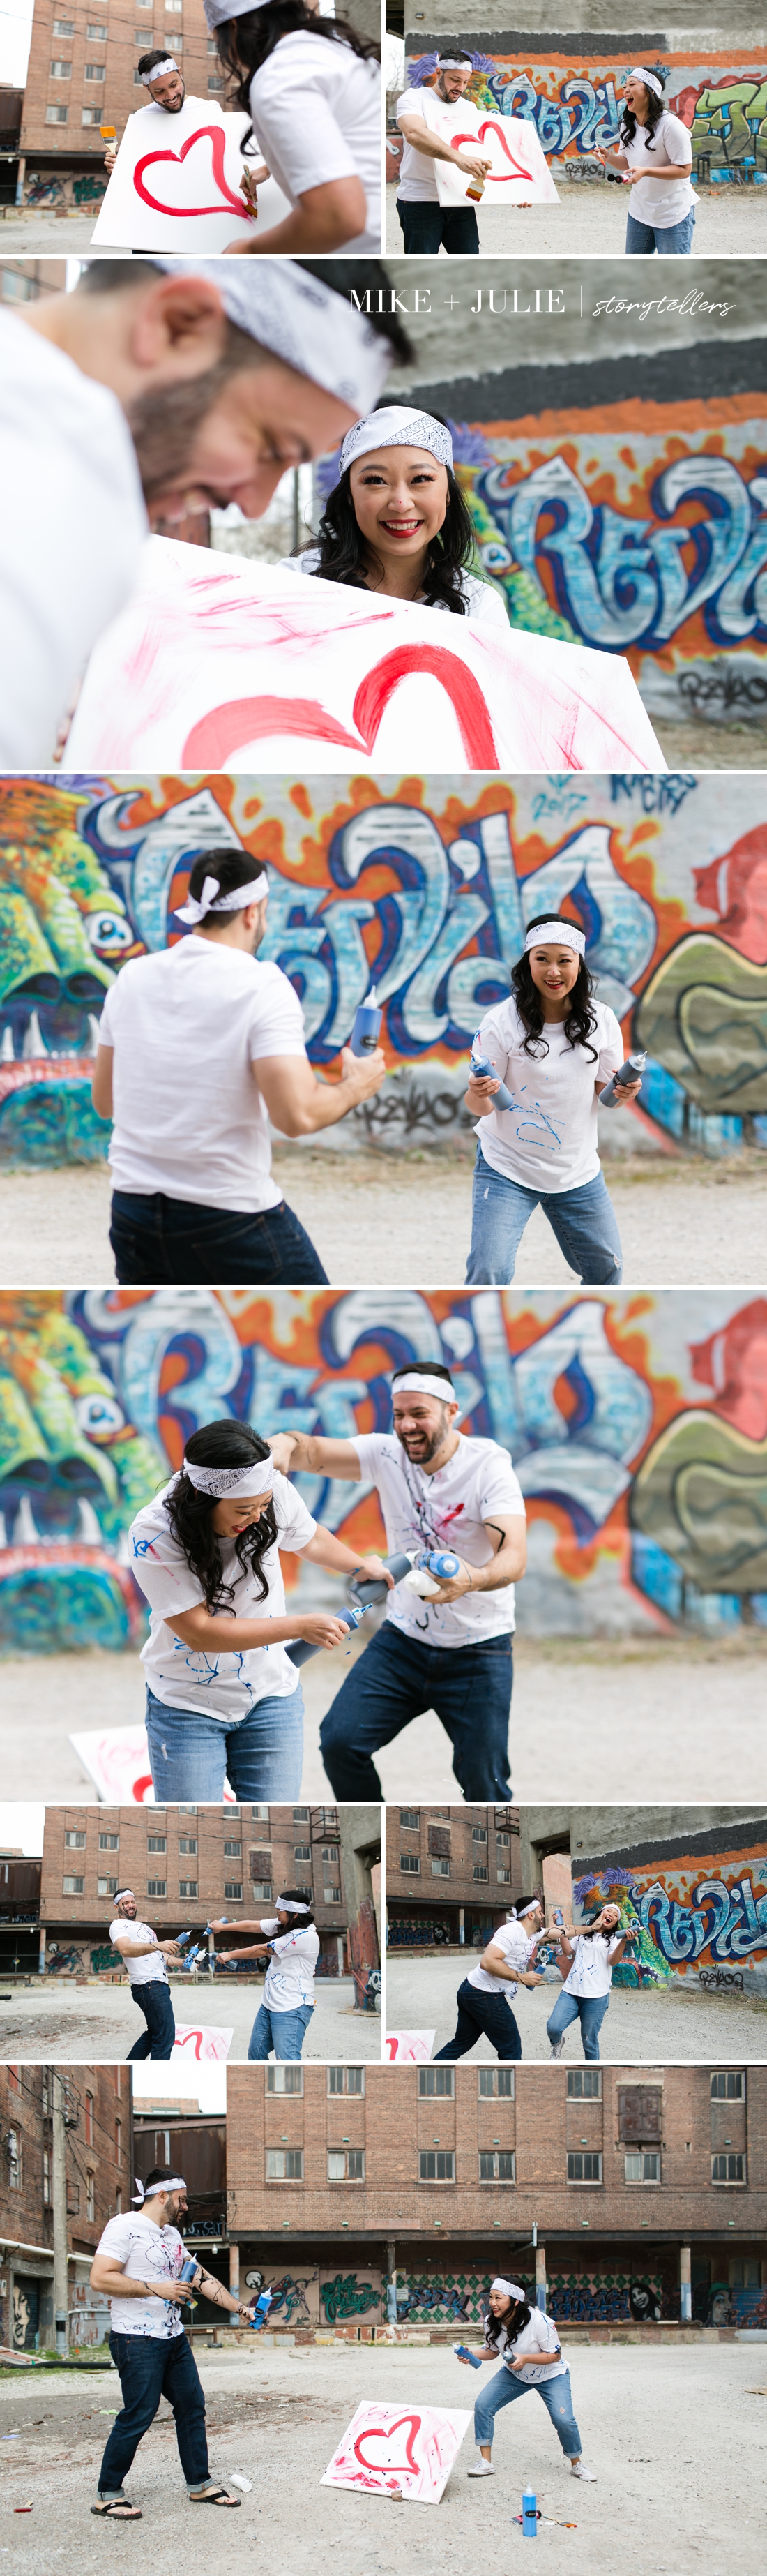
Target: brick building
188	1863
337	2179
19	1912
98	2142
82	74
452	1873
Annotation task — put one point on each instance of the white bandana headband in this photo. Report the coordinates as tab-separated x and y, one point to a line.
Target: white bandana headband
158	72
301	320
650	81
197	907
287	1905
122	1892
258	1478
447	63
395	426
422	1384
175	2182
564	931
511	2289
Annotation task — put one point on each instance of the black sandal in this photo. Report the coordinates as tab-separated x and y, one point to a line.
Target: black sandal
118	2509
217	2495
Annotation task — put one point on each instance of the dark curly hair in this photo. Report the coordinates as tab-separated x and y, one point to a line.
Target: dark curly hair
243	44
655	110
515	2323
343	550
581	1019
220	1444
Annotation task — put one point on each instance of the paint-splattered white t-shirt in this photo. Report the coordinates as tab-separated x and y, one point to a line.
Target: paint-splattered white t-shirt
289	1977
145	2252
226	1685
548	1141
517	1949
540	2340
445	1510
149	1971
591	1971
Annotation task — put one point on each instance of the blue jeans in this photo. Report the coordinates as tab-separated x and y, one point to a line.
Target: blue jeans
482	2016
661	237
283	2031
395	1680
583	1221
191	1754
426	226
155	2002
589	2010
557	2399
160	1242
150	2369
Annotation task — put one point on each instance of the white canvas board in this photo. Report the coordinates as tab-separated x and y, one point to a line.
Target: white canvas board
175	185
390	2447
204	2042
116	1759
218	666
519	173
409	2047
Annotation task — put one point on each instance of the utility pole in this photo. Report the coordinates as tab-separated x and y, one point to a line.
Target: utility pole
59	2186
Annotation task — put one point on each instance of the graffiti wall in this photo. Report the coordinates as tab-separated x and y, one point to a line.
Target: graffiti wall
699	1905
52	191
637	1426
427	888
572	93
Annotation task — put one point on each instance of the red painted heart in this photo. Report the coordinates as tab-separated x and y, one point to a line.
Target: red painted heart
214	135
212	741
500	176
385	2433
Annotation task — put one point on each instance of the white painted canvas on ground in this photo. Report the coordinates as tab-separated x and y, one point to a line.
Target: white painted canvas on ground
519	173
176	184
390	2447
215	665
409	2047
202	2042
116	1759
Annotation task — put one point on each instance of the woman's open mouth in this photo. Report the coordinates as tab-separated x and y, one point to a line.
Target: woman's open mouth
401	527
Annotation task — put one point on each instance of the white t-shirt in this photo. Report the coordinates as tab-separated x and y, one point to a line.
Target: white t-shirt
417	181
289	1977
74	524
481	600
186	1025
147	2253
591	1972
513	1941
549	1140
446	1510
540	2336
316	108
141	1972
660	201
226	1686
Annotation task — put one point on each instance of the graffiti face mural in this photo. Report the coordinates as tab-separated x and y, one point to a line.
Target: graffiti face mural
421	888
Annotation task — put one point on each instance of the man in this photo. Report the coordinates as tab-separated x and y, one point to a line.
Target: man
159	75
198	1049
202	381
437	1490
426	225
145	1958
138	2260
487	1992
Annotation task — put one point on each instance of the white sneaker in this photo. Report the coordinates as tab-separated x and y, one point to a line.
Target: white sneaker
481	2468
557	2046
578	2469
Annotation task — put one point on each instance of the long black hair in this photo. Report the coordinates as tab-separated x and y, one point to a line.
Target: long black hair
581	1018
303	1896
655	110
243	44
515	2323
220	1444
342	547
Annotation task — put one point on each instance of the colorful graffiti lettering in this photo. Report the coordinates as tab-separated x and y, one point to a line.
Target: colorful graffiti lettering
696	1915
345	2296
44	190
88	191
575	105
729	121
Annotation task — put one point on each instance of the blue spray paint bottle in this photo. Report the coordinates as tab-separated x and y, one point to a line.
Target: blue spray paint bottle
261	2309
480	1064
300	1653
629	1072
372	1588
529	2514
367	1026
464	2354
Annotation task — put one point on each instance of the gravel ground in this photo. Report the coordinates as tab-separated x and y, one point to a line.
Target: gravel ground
681	1222
699	2497
57	2020
648	2027
566	1698
591	218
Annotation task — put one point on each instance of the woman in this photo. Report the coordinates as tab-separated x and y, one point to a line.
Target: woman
284	2016
396	522
313	89
587	1960
543	1152
655	156
223	1698
486	1995
528	2345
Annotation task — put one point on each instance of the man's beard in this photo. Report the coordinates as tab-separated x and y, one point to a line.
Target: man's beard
432	1445
164	424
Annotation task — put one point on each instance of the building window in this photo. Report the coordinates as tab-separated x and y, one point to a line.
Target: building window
346	2164
497	2164
211	47
157	1887
95	71
328	1820
409	1861
346	2079
73	2200
96	35
441	1869
728	2168
504	1840
232	1850
302	1851
300	1815
187	1843
74	1841
187	1887
57	116
74	1886
15	2161
584	2083
284	2079
86	116
642	2167
156	1842
409	1817
61	71
233	1888
435	2164
46	2178
478	1870
330	1852
436	2080
262	1887
260	1815
479	1833
727	2087
106	1887
332	1895
284	2164
584	2168
90	2196
496	2083
118	2142
89	2119
118	2203
109	1842
503	1876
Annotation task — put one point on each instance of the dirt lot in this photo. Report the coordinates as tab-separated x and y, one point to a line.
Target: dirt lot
409	1216
53	2019
277	2413
591	217
654	2025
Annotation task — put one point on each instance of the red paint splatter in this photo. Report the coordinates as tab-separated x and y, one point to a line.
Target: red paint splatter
243	720
214	134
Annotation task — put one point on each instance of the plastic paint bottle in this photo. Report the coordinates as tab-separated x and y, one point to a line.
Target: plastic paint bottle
300	1653
181	1937
367	1026
464	2354
529	2514
372	1588
189	2268
437	1565
261	2309
480	1064
628	1072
